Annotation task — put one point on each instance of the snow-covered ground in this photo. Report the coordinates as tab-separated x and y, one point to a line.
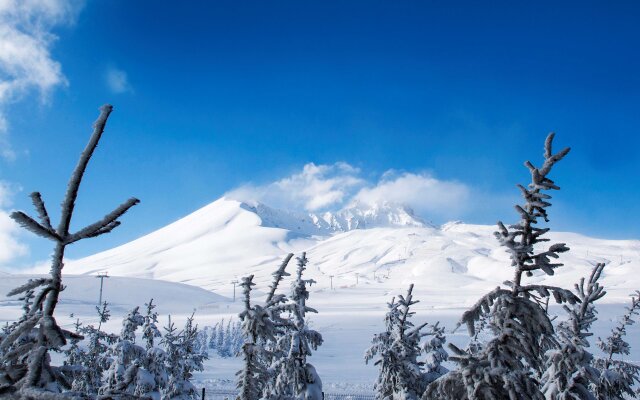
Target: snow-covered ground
189	265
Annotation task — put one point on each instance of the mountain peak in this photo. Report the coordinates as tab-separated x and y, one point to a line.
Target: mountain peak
357	215
360	215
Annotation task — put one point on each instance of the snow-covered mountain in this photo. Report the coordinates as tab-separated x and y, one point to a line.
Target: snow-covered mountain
355	216
381	249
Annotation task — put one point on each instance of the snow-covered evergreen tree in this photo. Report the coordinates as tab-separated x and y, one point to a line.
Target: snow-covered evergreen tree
227	342
277	348
150	329
617	377
237	341
74	356
263	328
95	356
24	352
512	362
569	373
152	374
122	376
292	371
182	360
435	354
257	327
398	349
382	348
220	338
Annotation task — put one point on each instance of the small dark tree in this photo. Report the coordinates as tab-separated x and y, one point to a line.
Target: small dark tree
24	352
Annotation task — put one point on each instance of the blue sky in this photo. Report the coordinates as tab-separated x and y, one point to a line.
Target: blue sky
212	96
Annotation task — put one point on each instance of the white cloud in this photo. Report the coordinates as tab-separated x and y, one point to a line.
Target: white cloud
427	195
26	63
316	187
117	80
10	247
331	187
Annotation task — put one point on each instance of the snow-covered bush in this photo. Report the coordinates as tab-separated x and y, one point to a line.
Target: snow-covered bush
24	351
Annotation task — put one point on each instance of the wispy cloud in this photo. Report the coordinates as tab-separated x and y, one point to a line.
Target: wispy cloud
425	194
331	187
117	80
314	188
26	64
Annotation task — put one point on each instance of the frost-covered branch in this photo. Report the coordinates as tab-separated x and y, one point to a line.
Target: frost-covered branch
39	327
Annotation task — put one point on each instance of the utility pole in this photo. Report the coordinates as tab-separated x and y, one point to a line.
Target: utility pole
101	275
331	277
357	275
234	289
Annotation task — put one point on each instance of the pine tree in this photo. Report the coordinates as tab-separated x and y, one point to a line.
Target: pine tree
297	341
24	352
398	349
123	374
617	377
227	344
220	339
94	359
255	324
511	364
171	345
183	360
74	356
237	338
213	337
435	354
152	373
150	329
276	349
569	372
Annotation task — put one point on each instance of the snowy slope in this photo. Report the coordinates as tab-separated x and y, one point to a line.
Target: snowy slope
81	295
229	239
